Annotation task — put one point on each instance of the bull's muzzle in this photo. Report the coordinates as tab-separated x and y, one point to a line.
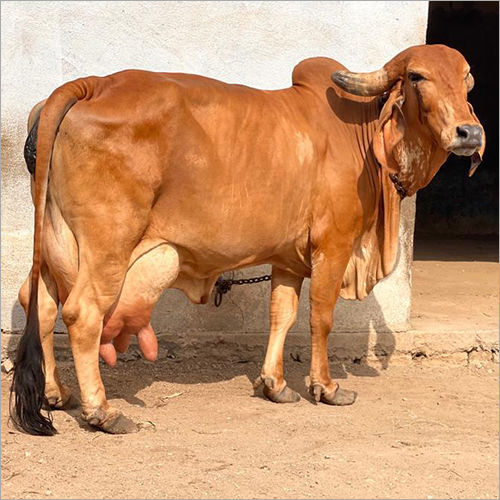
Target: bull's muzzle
468	139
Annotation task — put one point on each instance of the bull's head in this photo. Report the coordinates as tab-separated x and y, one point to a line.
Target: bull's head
426	115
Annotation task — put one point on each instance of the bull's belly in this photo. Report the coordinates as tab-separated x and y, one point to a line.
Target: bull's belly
204	255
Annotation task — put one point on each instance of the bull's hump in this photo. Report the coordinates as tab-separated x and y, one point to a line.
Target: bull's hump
314	71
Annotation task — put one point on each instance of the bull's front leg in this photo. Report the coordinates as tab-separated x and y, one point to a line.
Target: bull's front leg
283	313
326	280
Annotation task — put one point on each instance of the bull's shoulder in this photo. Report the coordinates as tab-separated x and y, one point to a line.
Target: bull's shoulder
315	70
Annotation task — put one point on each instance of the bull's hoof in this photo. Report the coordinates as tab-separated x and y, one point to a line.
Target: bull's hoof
338	397
116	423
61	400
70	404
286	395
120	425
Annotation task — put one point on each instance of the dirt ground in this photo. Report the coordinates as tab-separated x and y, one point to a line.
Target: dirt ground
427	429
455	285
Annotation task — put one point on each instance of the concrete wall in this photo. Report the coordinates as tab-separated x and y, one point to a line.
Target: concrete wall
256	43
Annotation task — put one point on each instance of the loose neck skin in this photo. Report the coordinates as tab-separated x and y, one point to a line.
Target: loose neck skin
417	155
419	160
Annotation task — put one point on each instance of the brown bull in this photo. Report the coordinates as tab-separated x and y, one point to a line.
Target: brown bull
147	181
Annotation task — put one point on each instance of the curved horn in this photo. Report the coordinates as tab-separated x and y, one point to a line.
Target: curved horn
364	84
469	81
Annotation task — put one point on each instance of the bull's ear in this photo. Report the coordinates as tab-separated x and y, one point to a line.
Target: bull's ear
390	130
477	157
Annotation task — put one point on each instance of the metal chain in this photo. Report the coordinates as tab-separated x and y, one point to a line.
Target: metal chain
223	286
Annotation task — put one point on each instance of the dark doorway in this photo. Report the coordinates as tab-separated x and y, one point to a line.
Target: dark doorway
454	205
455	269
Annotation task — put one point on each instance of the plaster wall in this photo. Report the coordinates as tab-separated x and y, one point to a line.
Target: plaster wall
45	44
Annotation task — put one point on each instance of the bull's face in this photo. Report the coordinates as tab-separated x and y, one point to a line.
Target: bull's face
437	80
426	116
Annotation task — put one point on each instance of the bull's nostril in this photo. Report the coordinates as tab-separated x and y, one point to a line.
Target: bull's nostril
469	135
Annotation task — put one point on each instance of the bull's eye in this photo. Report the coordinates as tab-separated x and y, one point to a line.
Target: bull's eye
415	77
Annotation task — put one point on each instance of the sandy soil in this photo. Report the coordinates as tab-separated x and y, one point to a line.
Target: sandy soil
424	430
415	432
455	285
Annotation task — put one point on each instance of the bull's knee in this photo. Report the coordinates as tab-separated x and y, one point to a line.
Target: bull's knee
70	313
322	321
81	308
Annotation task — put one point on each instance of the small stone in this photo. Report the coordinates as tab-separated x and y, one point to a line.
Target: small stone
478	359
7	365
48	493
171	396
27	454
328	457
147	425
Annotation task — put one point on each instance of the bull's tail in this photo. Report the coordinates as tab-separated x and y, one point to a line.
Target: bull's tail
28	384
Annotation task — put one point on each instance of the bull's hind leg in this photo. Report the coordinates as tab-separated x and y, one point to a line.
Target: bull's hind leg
57	394
283	313
98	284
106	202
104	258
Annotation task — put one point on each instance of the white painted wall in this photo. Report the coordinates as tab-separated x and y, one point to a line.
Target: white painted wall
255	43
